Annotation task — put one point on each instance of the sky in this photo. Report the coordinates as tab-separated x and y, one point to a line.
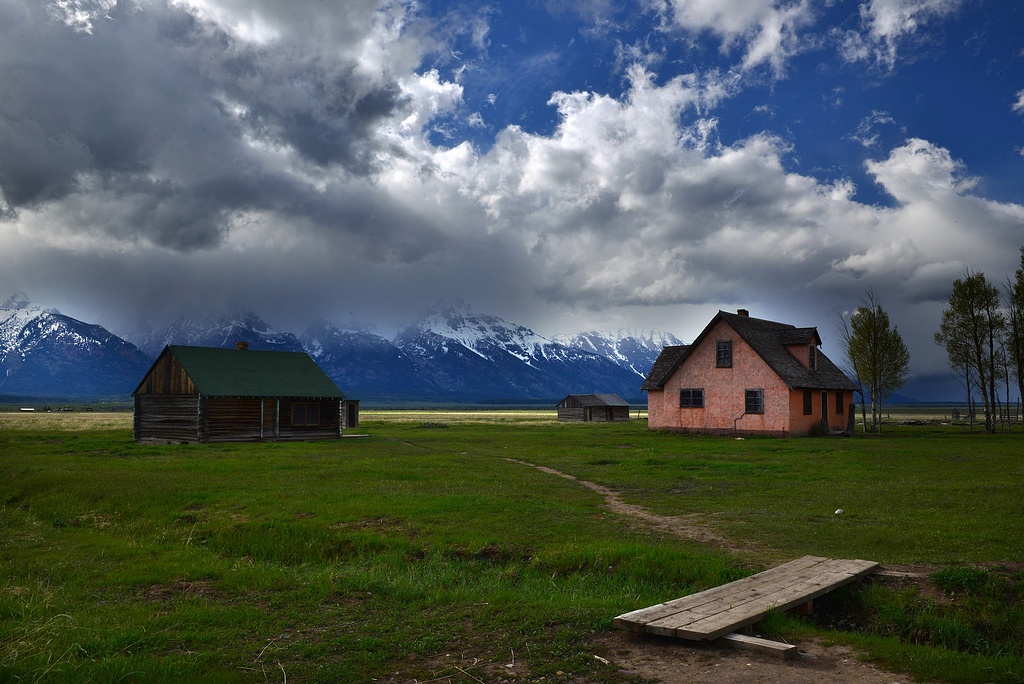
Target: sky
567	165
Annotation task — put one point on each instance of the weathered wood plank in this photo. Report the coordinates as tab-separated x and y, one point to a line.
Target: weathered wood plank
643	616
716	612
714	626
752	643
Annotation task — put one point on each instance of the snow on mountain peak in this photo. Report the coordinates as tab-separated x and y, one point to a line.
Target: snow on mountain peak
18	301
455	322
632	349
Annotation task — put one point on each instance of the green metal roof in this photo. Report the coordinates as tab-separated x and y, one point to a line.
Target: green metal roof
251	373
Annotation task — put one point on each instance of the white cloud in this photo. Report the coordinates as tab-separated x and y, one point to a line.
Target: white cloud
889	24
79	15
920	170
867	132
920	246
767	31
309	156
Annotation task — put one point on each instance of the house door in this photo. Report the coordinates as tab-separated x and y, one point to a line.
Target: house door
824	410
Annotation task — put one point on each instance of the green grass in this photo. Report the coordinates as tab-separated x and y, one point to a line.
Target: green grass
432	553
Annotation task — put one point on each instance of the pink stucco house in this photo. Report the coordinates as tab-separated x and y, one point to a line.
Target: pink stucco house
746	375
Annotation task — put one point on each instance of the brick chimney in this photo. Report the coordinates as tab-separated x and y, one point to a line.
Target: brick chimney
743	312
241	345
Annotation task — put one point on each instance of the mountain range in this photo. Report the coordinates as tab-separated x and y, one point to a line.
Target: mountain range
45	353
451	354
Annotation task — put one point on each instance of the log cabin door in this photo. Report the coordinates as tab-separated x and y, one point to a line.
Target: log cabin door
269	418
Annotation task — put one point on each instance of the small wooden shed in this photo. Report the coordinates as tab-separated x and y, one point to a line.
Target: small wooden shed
205	394
593	408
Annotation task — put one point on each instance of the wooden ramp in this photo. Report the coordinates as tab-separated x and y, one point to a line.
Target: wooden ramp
717	612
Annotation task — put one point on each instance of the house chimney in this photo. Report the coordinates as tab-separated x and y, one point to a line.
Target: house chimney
743	312
241	345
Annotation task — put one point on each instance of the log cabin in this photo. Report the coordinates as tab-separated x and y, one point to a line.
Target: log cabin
593	408
205	394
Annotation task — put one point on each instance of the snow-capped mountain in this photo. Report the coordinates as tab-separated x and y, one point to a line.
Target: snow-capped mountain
635	350
218	330
451	354
485	357
45	353
366	365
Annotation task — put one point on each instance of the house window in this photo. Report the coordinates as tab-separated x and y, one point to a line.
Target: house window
840	399
305	413
754	401
808	399
812	357
691	398
723	354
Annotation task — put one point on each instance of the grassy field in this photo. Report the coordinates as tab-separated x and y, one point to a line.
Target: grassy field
427	550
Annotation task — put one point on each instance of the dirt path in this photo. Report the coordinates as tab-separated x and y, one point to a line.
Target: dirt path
692	527
673	661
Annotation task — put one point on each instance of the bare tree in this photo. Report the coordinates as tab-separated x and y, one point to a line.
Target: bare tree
971	331
846	339
1015	327
878	353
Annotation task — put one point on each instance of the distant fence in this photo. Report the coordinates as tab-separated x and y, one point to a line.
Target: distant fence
1007	415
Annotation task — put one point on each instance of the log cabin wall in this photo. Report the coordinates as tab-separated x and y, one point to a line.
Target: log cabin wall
572	415
161	418
233	419
328	425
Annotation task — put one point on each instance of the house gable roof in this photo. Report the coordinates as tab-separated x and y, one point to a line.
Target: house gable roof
250	373
665	365
769	340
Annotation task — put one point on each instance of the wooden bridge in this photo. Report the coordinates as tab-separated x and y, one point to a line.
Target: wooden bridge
717	613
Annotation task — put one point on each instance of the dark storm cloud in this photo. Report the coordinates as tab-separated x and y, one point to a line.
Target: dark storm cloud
161	123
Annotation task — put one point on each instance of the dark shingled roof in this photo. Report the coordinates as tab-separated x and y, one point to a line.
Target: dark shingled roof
589	400
768	339
249	373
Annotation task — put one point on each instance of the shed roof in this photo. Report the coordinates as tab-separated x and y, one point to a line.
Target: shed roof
769	340
250	373
598	400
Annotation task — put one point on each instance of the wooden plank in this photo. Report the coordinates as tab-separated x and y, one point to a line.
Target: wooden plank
714	626
716	612
659	619
644	616
754	609
752	643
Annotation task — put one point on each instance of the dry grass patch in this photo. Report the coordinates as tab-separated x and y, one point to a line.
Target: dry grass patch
74	420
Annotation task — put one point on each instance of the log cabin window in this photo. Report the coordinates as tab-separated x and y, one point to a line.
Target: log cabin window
754	401
723	354
812	357
808	400
839	403
691	398
305	413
